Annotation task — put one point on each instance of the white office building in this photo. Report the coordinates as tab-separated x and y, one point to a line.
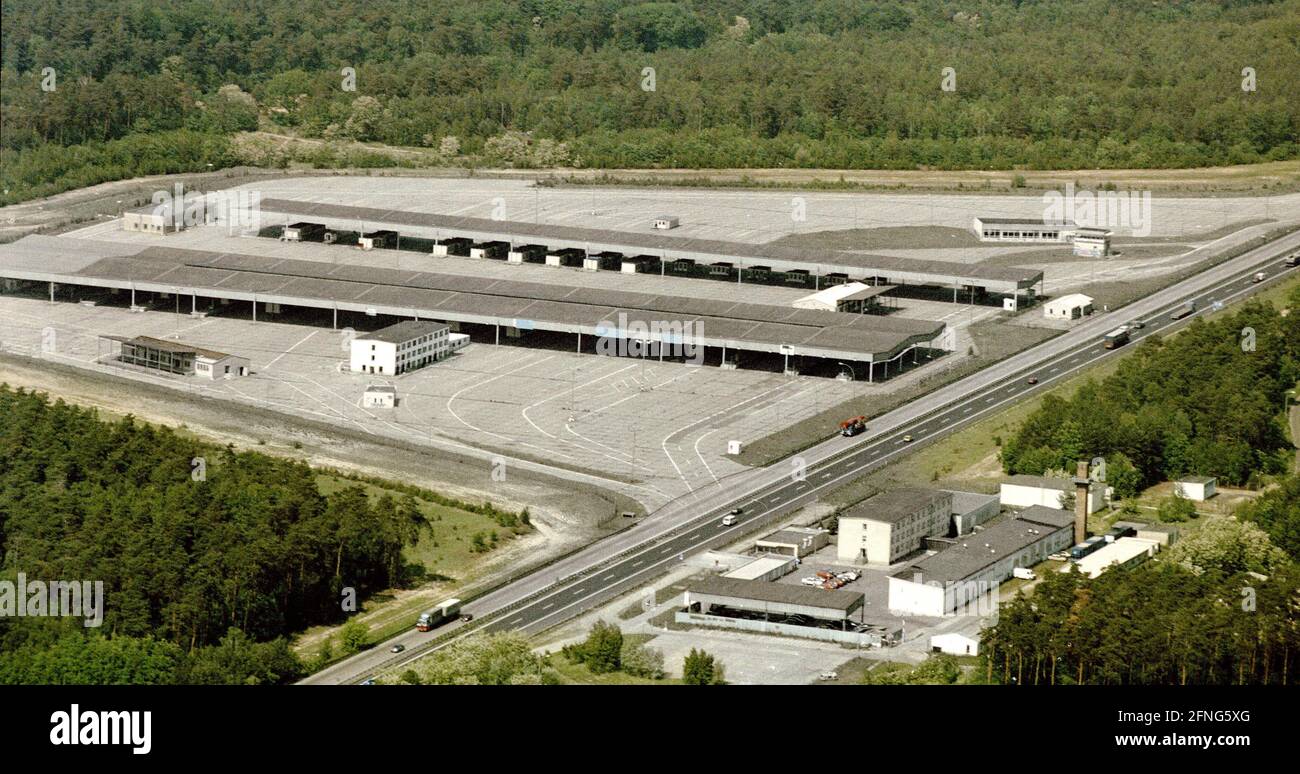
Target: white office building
399	348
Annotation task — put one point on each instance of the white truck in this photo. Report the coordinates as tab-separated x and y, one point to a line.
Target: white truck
1024	573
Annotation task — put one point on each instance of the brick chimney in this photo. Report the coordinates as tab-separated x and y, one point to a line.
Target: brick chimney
1081	488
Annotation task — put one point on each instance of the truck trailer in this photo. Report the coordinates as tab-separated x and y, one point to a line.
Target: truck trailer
437	616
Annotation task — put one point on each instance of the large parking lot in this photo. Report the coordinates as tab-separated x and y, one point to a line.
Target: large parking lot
664	427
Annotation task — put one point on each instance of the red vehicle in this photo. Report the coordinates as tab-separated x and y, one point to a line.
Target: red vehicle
853	426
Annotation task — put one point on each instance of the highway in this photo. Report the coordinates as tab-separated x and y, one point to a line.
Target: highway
630	558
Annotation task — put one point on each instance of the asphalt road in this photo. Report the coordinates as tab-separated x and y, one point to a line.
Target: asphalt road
612	566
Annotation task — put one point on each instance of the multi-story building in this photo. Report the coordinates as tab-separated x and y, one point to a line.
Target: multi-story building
891	525
399	348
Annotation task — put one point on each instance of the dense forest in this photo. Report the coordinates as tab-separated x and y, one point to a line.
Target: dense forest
206	567
1203	402
1158	624
735	83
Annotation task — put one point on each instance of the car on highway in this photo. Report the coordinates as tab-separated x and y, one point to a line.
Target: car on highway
368	681
735	511
907	439
1032	380
397	649
467	618
1259	277
729	520
1137	325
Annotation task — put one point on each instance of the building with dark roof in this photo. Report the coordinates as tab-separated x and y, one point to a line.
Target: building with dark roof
401	347
873	269
772	598
893	524
173	357
267	281
973	566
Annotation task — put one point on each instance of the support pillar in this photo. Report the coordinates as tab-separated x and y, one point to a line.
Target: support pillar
133	296
497	326
194	304
871	372
335	325
579	342
51	292
254	308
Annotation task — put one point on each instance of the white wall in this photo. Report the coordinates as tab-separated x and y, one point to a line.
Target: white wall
1023	496
368	354
956	644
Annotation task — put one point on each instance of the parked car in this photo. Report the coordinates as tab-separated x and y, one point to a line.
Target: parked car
848	576
811	581
829	675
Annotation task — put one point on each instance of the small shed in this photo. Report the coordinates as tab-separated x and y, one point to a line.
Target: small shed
955	643
1197	488
1070	307
379	396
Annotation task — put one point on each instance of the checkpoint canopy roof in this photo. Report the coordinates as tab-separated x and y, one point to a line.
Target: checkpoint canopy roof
431	225
525	305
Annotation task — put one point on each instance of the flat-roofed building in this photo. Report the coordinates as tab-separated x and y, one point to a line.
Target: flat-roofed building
955	643
970	570
893	524
772	598
379	396
1022	491
399	348
794	541
1198	488
1022	230
1123	553
764	568
1069	307
177	358
1092	243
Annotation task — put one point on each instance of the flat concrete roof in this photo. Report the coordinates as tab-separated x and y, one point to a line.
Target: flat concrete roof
1041	482
792	536
174	347
403	331
397	292
1050	517
919	271
978	550
757	595
759	567
895	505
